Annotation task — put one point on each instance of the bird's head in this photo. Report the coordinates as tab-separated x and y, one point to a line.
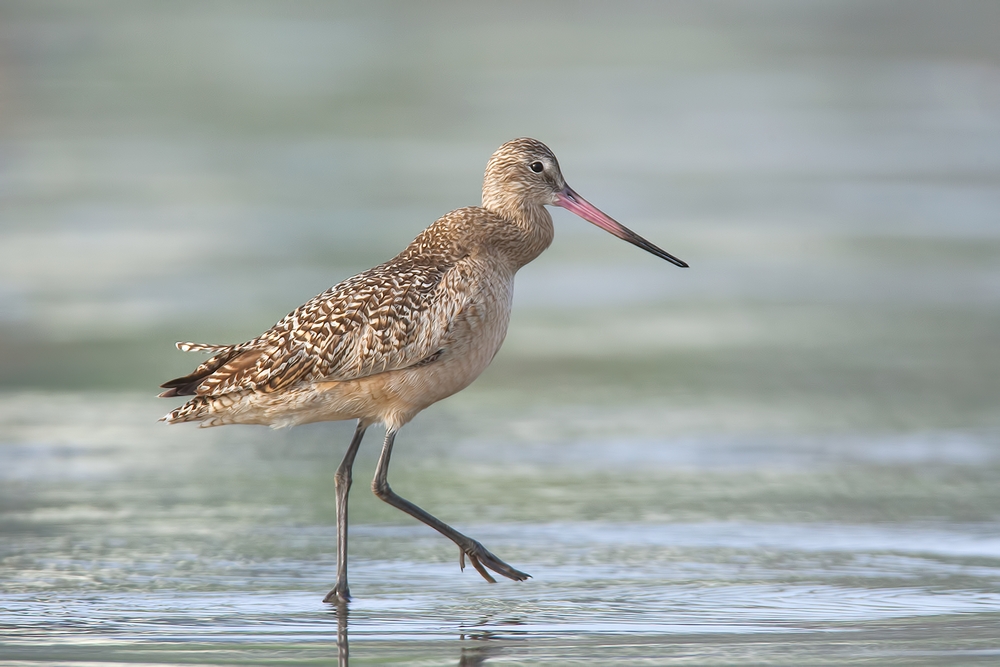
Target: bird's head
524	174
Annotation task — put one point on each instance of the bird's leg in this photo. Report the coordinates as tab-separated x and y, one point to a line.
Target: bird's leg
340	592
476	552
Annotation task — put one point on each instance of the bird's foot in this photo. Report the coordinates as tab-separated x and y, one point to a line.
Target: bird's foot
339	595
482	559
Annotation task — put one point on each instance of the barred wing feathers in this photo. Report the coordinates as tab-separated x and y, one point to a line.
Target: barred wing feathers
384	319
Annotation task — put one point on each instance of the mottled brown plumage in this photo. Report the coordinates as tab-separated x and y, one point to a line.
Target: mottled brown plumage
383	345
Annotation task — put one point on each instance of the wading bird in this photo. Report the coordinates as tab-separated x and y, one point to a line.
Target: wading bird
387	343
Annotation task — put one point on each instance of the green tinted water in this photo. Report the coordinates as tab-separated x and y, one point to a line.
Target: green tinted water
125	541
788	453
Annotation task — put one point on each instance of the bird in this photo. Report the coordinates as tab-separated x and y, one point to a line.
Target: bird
383	345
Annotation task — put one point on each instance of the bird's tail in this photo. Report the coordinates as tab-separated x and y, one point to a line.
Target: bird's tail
209	410
200	347
188	384
194	410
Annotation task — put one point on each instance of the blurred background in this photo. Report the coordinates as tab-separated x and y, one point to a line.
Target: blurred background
830	170
195	170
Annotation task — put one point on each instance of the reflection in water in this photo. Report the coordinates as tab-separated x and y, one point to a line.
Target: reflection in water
470	656
476	655
343	649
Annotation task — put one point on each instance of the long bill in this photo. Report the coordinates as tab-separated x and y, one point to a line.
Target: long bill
574	203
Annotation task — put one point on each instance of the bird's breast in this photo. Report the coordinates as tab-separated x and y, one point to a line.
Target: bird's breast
473	338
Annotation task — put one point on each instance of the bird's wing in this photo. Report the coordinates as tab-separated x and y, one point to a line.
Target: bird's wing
384	319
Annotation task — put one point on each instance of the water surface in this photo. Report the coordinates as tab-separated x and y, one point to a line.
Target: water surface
787	454
150	545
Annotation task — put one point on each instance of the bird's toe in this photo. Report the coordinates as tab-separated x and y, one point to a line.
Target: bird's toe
481	558
339	595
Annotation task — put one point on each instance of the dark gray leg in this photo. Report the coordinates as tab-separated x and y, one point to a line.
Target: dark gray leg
467	546
341	593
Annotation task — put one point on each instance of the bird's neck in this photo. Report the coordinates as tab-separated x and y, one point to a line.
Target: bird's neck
530	232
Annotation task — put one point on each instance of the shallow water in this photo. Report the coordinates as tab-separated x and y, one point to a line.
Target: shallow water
787	454
171	546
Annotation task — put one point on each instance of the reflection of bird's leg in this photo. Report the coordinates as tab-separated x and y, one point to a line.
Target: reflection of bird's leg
476	656
476	552
343	651
340	592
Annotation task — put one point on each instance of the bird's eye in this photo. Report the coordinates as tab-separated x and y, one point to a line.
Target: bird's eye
537	167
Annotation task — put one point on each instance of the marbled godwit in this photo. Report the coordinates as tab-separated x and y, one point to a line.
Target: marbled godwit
387	343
